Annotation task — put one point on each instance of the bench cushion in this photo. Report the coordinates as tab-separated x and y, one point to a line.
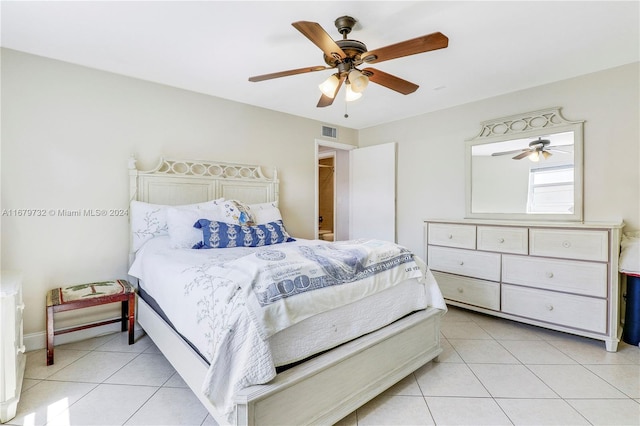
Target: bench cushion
62	295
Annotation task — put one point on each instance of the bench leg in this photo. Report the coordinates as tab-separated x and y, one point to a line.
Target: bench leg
131	305
50	333
124	315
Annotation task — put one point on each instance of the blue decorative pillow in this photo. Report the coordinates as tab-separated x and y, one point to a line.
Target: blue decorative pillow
224	235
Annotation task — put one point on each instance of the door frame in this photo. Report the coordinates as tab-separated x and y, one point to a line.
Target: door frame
321	156
335	146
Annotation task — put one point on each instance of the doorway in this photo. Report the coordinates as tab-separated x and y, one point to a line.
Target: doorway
326	195
335	212
364	191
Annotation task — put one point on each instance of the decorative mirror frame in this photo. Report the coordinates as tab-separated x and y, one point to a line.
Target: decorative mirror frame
531	124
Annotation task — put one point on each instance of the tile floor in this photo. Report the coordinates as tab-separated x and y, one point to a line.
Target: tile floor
492	372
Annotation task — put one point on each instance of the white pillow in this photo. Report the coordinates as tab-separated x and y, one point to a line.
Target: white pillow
265	212
180	221
150	220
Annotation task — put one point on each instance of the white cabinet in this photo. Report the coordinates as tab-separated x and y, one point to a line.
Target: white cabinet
12	358
555	275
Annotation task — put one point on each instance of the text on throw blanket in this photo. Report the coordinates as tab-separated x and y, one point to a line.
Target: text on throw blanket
285	274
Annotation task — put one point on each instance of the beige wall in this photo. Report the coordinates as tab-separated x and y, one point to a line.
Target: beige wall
67	132
431	176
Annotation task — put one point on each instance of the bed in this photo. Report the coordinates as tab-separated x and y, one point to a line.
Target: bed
313	366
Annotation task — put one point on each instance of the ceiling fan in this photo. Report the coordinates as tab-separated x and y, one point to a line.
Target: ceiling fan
346	55
537	149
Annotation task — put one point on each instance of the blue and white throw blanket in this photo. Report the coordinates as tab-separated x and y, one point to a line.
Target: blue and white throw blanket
284	284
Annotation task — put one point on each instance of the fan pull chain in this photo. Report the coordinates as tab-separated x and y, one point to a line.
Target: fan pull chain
346	115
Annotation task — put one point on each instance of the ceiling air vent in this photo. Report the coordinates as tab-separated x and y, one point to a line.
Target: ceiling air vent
329	132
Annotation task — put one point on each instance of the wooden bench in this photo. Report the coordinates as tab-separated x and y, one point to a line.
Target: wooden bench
91	294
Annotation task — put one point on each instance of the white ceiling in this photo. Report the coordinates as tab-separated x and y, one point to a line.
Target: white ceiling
212	47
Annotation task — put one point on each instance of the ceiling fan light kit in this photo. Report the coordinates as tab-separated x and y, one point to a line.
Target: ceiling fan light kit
351	94
346	55
329	86
358	81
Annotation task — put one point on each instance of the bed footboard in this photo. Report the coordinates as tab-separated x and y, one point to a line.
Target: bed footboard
322	390
325	389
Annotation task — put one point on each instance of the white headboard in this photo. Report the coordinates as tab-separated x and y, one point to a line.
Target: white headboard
175	182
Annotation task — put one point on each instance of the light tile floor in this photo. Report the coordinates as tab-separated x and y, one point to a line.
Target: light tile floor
492	372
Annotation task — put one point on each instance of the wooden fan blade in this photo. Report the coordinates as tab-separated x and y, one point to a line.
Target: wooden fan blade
318	36
390	81
422	44
326	100
523	155
287	73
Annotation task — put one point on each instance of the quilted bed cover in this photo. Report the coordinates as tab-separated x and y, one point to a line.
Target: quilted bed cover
234	299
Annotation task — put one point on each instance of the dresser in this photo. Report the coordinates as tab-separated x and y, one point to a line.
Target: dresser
555	275
12	358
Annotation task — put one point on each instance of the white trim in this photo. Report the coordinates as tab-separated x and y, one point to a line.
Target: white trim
336	145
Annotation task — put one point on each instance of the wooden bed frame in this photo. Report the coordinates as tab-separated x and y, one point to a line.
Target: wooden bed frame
321	390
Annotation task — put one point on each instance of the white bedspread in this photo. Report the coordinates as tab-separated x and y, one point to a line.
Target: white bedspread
231	306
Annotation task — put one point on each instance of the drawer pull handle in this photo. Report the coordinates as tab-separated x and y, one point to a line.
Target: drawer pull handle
21	349
549	274
450	236
461	263
566	244
550	307
460	290
501	240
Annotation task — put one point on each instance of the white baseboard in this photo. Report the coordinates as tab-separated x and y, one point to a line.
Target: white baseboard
35	341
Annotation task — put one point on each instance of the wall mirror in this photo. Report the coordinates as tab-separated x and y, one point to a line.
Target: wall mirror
526	167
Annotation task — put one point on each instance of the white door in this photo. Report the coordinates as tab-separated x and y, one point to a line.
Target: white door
373	192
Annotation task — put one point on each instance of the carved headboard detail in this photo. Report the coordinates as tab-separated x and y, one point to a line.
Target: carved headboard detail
174	182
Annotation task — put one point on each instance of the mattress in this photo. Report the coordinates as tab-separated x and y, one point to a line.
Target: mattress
332	328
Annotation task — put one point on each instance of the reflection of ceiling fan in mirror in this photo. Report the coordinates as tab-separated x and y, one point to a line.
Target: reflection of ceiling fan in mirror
347	55
538	149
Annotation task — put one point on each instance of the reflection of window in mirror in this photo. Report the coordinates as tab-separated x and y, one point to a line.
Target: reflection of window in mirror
551	190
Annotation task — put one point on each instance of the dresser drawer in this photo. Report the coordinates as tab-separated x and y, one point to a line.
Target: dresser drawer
485	294
474	264
503	239
553	274
570	244
585	313
452	235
